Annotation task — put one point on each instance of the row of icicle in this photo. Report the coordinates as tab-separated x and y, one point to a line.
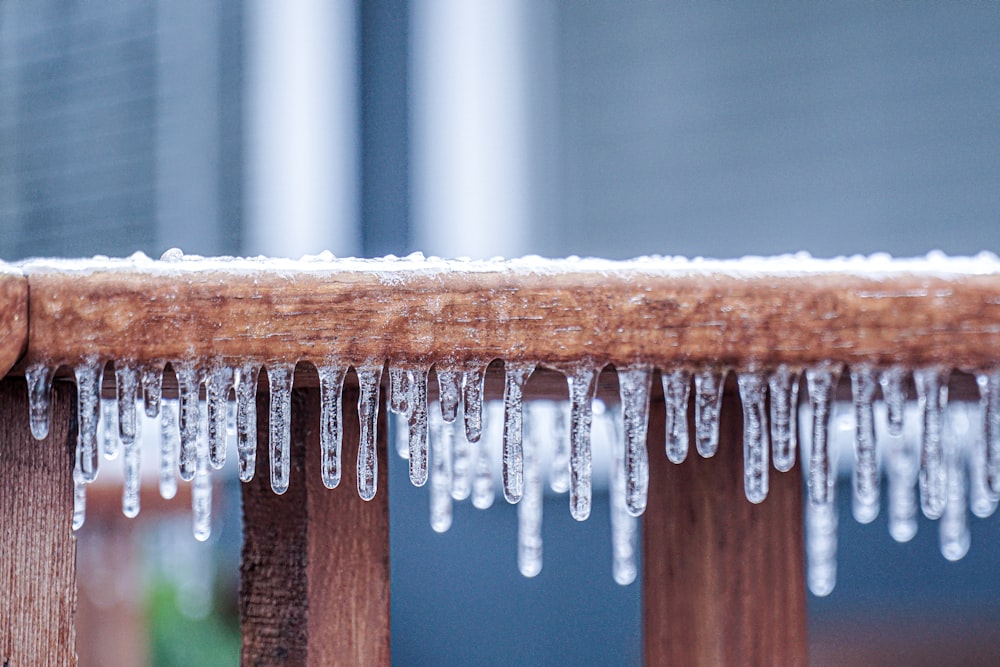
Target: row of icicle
194	434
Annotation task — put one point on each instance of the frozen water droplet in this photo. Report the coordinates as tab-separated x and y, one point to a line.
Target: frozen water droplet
189	418
39	378
676	386
821	547
784	386
821	382
894	394
218	384
753	395
169	441
417	424
79	499
989	401
88	395
473	401
708	385
399	390
246	420
624	526
369	377
450	391
954	525
512	459
152	389
331	430
582	389
633	387
280	377
529	510
865	497
441	436
483	492
932	392
108	429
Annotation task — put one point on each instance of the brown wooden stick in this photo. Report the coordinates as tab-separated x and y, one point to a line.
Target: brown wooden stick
315	571
13	317
38	551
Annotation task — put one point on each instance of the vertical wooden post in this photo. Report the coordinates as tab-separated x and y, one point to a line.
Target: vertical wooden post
37	549
315	571
724	579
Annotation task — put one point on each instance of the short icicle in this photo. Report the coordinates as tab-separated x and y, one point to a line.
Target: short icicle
449	391
559	465
953	529
331	429
218	383
441	436
512	458
989	401
529	510
624	526
246	420
865	476
821	382
280	377
472	397
676	387
582	389
784	390
634	384
369	377
416	414
932	392
152	389
169	441
753	395
894	394
189	417
39	377
88	395
708	386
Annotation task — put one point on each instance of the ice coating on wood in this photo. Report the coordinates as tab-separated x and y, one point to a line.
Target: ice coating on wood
88	396
218	384
989	401
633	388
821	382
784	387
676	386
895	398
399	390
472	400
280	378
108	428
529	510
932	393
331	429
559	465
708	385
369	376
442	436
39	377
753	395
624	526
152	389
512	461
582	389
169	444
246	420
449	392
189	416
865	474
416	413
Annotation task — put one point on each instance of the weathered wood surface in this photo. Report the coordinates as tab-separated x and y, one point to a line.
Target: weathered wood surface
666	317
315	572
37	549
724	580
13	317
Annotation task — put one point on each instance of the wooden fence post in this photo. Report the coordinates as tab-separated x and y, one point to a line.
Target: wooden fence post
315	570
37	549
724	579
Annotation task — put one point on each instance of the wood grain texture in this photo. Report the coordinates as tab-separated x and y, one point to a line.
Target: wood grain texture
664	318
38	550
13	317
724	580
315	572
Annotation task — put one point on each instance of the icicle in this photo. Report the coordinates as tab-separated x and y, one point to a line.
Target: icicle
131	460
461	463
982	500
784	386
401	431
708	385
152	389
201	487
582	389
108	428
753	395
932	392
450	392
954	525
821	382
472	395
218	384
79	499
624	526
417	424
331	431
369	376
895	398
821	546
529	510
189	418
246	420
516	374
169	437
865	496
88	394
989	393
399	390
901	477
280	377
441	436
39	376
559	465
676	386
483	493
127	388
633	388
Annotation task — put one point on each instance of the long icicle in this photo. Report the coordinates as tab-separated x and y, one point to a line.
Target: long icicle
633	387
784	387
582	389
246	419
189	418
624	526
901	478
821	382
865	476
369	377
201	486
515	375
440	439
169	440
529	510
932	392
280	377
331	429
218	384
127	382
753	395
416	412
88	395
953	528
982	498
989	394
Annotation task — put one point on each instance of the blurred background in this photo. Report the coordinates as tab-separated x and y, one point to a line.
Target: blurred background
501	127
